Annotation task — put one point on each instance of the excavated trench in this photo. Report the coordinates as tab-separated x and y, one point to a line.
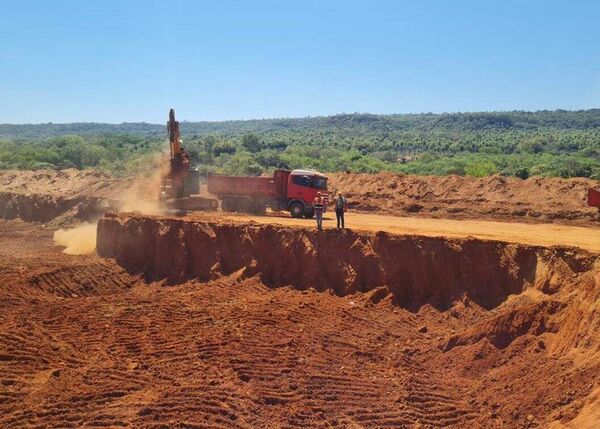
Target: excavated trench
494	333
414	270
46	208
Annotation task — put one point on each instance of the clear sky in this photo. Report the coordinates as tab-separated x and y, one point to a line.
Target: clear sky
124	61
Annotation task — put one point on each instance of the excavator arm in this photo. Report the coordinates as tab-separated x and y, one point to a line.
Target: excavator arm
174	138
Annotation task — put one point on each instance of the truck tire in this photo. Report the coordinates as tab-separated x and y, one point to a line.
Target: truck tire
297	209
309	213
228	205
257	208
243	205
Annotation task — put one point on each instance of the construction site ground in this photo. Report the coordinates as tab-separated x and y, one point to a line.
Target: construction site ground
89	341
543	234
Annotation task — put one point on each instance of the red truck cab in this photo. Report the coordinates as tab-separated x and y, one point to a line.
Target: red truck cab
302	189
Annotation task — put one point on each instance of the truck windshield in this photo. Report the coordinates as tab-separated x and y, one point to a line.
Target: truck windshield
319	183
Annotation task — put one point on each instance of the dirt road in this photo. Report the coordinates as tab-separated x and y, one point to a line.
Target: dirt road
536	234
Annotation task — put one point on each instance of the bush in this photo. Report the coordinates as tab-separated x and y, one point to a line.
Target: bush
224	147
522	173
251	142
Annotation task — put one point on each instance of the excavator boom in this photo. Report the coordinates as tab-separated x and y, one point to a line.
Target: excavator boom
173	129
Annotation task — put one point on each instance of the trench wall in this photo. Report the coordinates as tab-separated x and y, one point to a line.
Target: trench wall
415	270
45	208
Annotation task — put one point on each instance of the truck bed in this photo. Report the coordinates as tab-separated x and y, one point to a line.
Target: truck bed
241	186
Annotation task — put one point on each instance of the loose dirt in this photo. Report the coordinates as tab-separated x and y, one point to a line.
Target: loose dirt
537	199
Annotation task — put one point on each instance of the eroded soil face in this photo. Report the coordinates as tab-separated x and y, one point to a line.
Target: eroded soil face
83	342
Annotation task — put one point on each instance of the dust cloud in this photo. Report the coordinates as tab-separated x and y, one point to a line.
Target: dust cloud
79	240
143	194
140	196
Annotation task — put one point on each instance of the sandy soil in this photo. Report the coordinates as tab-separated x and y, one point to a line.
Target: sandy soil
538	234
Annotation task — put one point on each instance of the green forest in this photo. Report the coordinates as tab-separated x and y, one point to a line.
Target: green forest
547	143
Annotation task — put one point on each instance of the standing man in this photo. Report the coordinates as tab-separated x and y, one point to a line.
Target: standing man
319	206
340	209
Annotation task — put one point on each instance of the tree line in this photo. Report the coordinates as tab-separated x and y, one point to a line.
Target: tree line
550	143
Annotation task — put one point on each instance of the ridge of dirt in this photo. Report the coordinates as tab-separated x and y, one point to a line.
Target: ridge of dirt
45	208
346	262
536	199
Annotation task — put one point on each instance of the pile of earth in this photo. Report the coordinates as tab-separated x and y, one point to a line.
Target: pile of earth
538	199
70	196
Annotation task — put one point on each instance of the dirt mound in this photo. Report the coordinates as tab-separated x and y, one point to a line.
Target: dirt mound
45	208
534	199
65	183
71	196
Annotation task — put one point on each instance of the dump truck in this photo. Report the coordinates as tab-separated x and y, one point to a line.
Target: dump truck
180	183
594	198
287	190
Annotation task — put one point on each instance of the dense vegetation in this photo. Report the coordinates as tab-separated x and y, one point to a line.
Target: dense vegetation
551	143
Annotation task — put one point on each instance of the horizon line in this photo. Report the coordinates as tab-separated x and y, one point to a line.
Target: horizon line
307	117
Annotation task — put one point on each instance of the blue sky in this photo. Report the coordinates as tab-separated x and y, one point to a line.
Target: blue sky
124	61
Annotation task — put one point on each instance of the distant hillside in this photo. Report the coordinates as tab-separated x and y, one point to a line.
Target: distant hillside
547	143
363	123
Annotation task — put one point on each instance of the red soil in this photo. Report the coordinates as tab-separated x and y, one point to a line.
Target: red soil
537	199
83	343
213	323
533	200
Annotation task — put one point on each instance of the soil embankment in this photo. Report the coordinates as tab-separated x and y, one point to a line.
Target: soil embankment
515	314
537	199
45	208
414	270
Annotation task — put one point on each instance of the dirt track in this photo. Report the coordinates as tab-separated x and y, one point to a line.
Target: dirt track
514	232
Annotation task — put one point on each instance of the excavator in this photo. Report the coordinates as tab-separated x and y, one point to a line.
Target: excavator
180	183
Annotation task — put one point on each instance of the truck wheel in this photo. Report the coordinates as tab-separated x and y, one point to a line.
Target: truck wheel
257	208
309	214
297	209
228	205
244	205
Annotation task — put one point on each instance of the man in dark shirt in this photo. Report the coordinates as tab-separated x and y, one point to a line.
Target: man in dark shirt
340	209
